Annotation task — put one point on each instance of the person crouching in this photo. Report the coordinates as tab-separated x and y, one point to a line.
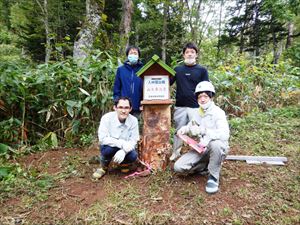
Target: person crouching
211	127
118	135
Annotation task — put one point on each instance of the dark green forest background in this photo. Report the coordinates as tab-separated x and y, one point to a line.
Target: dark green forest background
58	58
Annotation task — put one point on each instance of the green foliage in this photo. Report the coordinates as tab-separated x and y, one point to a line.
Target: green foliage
258	24
9	130
293	54
147	28
59	99
4	172
64	18
244	87
57	102
87	139
23	183
50	139
9	51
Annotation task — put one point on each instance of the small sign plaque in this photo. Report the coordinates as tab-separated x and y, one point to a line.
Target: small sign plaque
156	87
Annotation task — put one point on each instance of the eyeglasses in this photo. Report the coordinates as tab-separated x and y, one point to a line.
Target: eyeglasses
123	107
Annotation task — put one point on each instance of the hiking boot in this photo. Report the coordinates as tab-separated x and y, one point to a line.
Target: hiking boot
212	185
99	173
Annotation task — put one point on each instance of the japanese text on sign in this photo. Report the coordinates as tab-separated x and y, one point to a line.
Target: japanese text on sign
156	87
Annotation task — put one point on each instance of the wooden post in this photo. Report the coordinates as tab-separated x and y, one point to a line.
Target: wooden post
155	146
156	133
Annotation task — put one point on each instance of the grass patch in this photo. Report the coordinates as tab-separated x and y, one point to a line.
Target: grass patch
270	133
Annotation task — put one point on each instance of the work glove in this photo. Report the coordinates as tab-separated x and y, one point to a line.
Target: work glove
196	129
183	130
119	156
127	146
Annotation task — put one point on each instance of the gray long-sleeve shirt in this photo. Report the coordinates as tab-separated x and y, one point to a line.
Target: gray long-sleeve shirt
113	133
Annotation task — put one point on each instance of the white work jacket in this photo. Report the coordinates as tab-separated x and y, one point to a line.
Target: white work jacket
215	124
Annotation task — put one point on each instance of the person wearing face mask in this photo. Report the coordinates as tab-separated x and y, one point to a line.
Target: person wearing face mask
127	83
211	127
187	77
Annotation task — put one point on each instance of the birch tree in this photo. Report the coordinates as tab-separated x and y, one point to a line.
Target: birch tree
89	30
125	25
219	28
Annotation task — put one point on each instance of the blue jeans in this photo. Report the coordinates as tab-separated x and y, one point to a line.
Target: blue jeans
108	152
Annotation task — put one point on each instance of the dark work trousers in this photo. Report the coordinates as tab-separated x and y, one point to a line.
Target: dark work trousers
107	153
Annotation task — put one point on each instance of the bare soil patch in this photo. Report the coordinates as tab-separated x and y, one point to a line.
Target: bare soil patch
244	197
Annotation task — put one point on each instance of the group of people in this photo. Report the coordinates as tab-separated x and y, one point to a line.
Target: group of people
195	114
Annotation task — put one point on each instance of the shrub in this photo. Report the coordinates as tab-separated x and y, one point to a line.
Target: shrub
61	97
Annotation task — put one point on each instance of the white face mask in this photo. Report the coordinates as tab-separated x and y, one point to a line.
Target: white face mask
206	105
133	59
190	62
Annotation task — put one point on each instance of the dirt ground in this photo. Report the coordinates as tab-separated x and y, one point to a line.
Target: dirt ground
242	198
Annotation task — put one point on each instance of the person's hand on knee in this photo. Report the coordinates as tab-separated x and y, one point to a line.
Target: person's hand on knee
119	156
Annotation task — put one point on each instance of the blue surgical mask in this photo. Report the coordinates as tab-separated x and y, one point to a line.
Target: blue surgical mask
133	59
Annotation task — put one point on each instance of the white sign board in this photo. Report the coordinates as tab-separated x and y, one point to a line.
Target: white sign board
156	87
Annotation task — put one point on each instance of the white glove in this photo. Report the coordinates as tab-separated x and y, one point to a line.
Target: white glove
183	130
119	156
127	146
195	130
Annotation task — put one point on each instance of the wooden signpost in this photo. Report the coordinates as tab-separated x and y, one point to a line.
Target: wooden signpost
155	145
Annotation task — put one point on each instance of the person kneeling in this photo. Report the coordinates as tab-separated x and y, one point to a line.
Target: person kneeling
212	128
118	135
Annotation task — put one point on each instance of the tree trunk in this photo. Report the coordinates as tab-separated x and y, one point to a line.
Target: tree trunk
164	39
204	26
276	52
125	26
44	9
194	18
155	146
197	20
89	30
242	39
219	29
256	29
48	40
290	35
275	47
